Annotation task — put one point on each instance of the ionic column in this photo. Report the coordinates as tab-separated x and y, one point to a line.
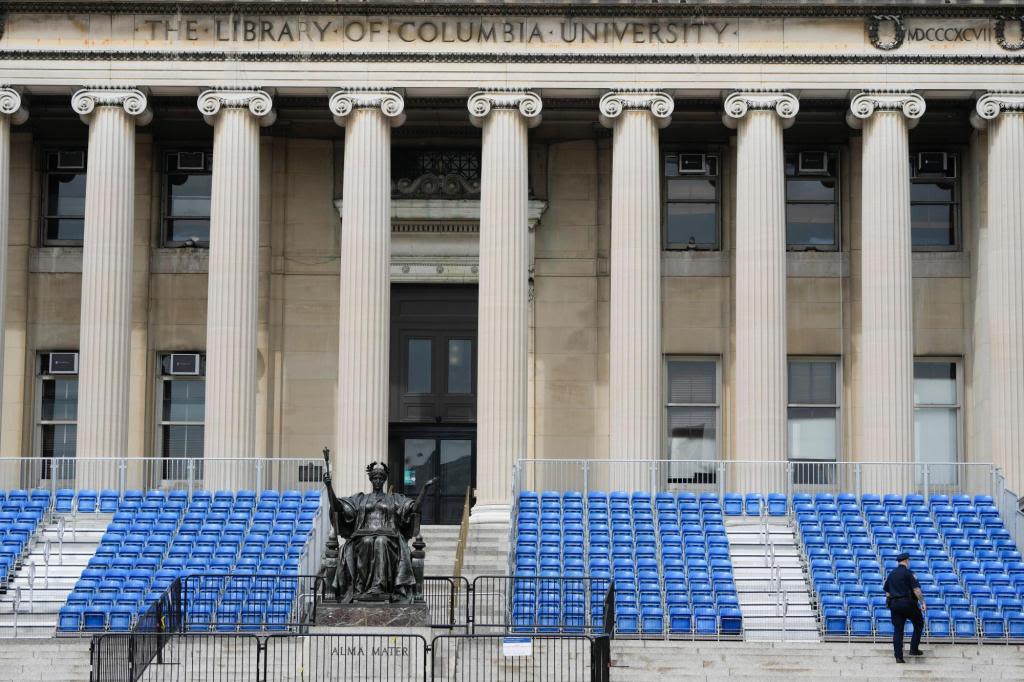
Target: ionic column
760	405
233	284
634	379
1003	114
105	329
886	354
364	316
504	293
12	111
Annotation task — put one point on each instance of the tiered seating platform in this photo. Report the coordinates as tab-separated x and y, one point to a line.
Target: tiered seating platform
155	538
969	568
20	514
666	559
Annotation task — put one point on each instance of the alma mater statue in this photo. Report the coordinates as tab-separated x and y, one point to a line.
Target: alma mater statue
375	564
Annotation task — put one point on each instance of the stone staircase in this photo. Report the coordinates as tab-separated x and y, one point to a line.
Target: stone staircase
486	550
770	580
55	660
646	660
40	592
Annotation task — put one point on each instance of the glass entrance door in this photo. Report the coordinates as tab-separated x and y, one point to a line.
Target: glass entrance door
445	456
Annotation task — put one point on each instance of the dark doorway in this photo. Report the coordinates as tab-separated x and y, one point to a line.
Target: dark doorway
433	395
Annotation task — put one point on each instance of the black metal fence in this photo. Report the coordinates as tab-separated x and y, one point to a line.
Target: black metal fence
448	600
353	657
539	604
248	602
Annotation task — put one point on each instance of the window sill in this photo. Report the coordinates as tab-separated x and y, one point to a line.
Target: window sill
55	259
695	264
940	264
183	260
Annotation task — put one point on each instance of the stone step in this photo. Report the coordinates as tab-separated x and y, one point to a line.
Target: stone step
680	660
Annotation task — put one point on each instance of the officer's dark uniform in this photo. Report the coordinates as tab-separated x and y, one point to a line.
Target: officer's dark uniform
903	607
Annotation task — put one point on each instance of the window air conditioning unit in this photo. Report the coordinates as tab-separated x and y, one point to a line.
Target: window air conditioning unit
185	364
70	160
813	163
63	363
932	162
693	164
191	161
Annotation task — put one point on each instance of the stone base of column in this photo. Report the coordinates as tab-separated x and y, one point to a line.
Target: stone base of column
490	513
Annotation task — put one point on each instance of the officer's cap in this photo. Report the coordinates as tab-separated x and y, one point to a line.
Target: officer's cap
903	556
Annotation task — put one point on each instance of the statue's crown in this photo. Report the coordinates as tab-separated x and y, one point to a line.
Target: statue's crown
377	466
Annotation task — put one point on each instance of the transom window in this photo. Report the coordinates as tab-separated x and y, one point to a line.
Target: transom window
934	200
812	200
692	191
63	213
187	188
182	398
813	412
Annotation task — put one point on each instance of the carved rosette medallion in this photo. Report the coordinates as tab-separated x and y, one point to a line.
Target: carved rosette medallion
992	104
259	103
659	104
865	104
736	106
390	102
134	102
11	105
482	102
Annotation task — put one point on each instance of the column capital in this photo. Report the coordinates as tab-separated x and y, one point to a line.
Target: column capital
992	104
11	105
866	103
660	104
133	100
259	102
390	102
737	104
481	103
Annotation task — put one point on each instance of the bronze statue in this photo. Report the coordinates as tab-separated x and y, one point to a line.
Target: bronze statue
375	564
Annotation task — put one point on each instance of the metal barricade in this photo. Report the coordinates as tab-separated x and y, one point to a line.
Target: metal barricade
500	658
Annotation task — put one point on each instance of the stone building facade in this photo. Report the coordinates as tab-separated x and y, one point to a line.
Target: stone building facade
783	231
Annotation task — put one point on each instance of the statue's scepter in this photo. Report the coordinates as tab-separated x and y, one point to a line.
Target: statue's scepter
327	460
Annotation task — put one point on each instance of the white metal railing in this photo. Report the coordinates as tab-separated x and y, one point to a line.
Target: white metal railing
733	476
126	473
752	476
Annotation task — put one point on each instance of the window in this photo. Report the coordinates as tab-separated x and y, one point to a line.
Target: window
692	414
812	200
182	404
934	200
813	412
187	186
937	418
57	424
692	194
63	196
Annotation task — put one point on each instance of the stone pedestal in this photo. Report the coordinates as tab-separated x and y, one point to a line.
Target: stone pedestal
365	615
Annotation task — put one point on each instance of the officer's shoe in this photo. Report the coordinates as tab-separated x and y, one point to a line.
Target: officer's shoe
917	652
900	660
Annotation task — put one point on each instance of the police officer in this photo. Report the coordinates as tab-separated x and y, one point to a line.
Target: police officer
902	596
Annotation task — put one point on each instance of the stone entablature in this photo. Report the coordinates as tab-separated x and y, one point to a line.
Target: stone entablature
287	29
